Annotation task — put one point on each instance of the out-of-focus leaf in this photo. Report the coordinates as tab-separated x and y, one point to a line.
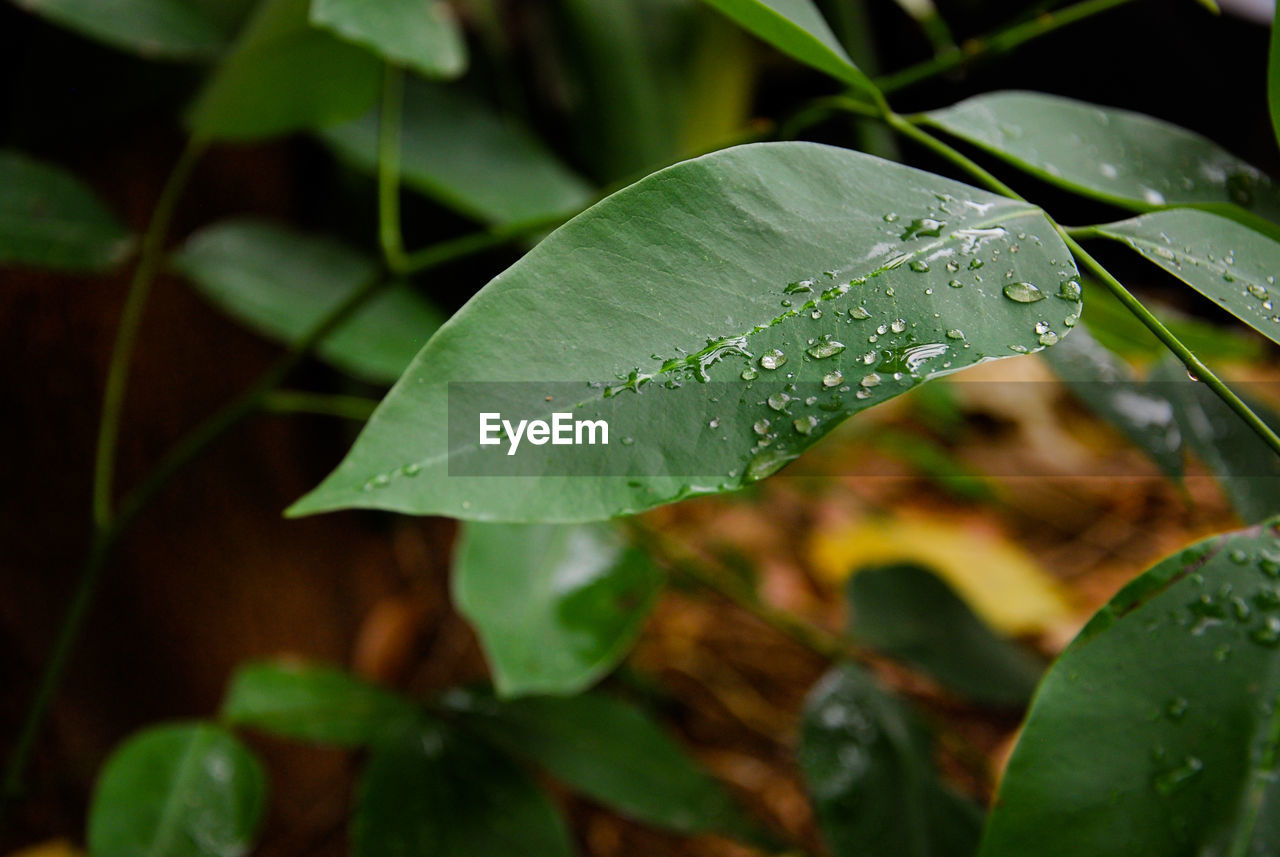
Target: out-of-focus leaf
556	607
282	283
313	703
182	790
1155	732
48	219
1273	77
1001	582
796	28
420	34
1108	387
909	613
1231	265
1120	157
870	774
1247	469
158	29
284	75
607	750
440	792
457	150
701	272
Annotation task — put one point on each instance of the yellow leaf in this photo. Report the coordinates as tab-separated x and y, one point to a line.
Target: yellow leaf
999	580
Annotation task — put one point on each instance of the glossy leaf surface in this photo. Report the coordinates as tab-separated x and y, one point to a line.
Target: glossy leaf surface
796	28
284	75
869	771
420	34
713	270
459	151
440	792
160	29
182	790
1230	264
607	750
314	703
556	607
282	283
1118	156
1156	731
49	219
909	613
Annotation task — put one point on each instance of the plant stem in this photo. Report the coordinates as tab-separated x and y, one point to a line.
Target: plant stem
390	236
150	259
447	251
933	144
356	408
994	44
1189	359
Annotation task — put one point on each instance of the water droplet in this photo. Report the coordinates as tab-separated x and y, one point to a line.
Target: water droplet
715	423
772	359
1170	781
798	287
805	425
860	313
871	380
1177	708
891	217
1049	338
766	463
1070	291
955	333
923	227
761	427
1042	327
778	401
749	374
898	325
816	314
832	379
1268	634
1238	556
975	264
628	441
920	266
1259	292
1023	293
824	349
411	469
956	284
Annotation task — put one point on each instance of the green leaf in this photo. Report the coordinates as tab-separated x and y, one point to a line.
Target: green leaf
458	151
313	703
284	75
1107	386
1114	155
442	793
1232	265
48	219
907	612
156	29
420	34
1246	468
796	28
868	768
1156	731
1273	78
607	750
556	607
684	276
181	790
282	283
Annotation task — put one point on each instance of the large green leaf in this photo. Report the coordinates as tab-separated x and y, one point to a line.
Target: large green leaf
909	613
440	792
313	703
1108	386
456	149
607	750
162	29
796	28
282	283
420	34
1114	155
1232	265
870	774
48	219
1247	469
1156	731
182	790
284	75
556	607
701	272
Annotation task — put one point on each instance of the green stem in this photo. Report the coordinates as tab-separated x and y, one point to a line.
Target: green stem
995	44
447	251
1189	359
390	236
356	408
933	144
150	259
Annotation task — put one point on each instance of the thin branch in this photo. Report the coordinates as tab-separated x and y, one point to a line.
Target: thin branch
390	236
357	408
